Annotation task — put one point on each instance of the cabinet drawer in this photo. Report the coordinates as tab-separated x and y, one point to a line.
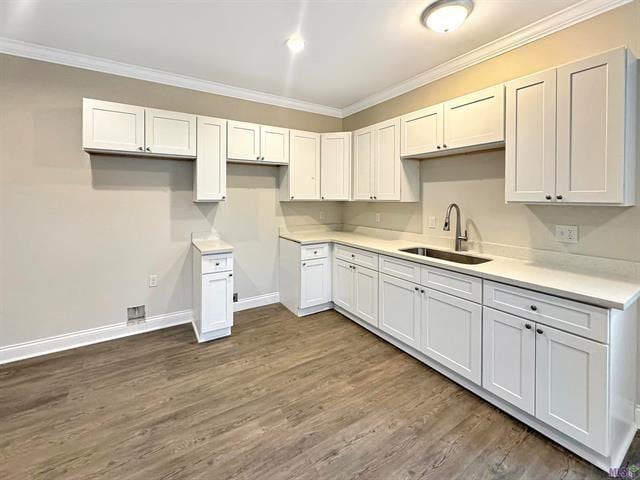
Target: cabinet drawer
453	283
217	263
397	267
575	317
357	256
318	250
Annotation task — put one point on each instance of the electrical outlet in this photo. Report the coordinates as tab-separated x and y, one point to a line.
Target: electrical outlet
153	281
321	215
567	233
377	217
432	222
235	297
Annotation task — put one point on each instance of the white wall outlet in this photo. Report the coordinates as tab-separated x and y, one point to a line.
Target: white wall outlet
377	217
321	215
153	280
567	233
432	222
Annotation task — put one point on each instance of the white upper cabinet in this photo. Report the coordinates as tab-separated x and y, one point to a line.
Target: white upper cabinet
363	144
596	120
387	161
274	145
112	126
301	179
210	171
335	166
243	141
474	119
170	133
422	131
530	150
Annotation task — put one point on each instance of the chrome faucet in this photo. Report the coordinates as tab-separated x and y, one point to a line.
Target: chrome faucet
447	222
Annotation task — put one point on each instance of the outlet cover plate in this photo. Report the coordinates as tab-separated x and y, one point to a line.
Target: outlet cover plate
567	233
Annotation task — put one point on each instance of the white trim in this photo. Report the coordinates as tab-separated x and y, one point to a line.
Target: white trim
20	351
257	301
563	19
79	60
637	415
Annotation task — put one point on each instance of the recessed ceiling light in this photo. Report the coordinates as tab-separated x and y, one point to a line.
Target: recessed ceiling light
445	16
295	43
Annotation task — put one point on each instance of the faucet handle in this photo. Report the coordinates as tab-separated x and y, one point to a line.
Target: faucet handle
464	237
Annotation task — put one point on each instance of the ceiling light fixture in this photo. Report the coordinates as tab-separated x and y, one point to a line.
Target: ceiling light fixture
444	16
295	43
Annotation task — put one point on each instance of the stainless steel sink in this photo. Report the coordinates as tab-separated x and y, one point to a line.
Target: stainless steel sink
444	255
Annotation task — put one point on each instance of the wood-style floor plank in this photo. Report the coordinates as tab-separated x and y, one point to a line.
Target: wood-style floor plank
282	398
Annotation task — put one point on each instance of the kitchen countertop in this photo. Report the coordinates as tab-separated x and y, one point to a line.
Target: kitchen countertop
605	290
213	245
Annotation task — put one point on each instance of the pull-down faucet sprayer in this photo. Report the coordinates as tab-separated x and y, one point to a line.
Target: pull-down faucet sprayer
447	223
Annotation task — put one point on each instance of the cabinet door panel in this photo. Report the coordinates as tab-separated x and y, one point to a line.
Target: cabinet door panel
422	131
509	355
591	130
210	171
274	145
530	150
112	126
399	311
315	282
335	166
170	133
452	333
343	285
243	141
363	145
474	119
304	165
217	301
387	160
366	295
572	385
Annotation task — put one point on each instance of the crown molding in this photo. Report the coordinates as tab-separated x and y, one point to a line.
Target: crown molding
88	62
564	18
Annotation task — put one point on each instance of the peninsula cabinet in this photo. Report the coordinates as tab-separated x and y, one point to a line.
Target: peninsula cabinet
571	133
300	180
210	169
109	127
254	143
380	174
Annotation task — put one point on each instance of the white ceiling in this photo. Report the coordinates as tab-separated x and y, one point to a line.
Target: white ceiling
354	48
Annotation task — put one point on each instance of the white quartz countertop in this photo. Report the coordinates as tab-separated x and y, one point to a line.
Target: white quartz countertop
210	246
602	289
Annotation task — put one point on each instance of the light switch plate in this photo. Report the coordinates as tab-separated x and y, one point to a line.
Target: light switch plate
432	222
567	233
153	281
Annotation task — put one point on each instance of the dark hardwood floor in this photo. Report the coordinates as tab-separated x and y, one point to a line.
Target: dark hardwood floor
314	398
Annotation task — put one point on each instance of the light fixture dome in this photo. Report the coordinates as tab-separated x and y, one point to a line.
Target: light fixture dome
295	43
444	16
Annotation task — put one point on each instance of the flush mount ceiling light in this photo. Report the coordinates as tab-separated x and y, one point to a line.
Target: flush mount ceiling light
445	16
295	43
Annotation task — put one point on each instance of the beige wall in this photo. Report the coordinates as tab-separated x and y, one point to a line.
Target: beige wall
476	181
79	233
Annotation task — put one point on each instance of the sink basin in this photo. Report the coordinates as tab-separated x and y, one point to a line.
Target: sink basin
444	255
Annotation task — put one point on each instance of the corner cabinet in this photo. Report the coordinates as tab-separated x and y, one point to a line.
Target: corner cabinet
300	180
210	170
571	133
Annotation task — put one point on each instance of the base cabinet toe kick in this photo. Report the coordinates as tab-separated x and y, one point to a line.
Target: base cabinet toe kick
565	368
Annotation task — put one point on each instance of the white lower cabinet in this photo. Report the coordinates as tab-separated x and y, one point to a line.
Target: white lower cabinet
344	285
509	357
452	333
365	304
399	312
572	386
315	282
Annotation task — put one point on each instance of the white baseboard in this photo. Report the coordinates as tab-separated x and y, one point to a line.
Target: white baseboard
20	351
257	301
637	416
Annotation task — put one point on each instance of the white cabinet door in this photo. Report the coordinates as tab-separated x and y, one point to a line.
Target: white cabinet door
274	145
170	133
591	129
363	148
344	285
452	333
304	165
530	146
335	166
387	160
366	295
474	119
422	131
243	141
210	171
509	358
315	282
572	385
217	301
399	309
112	126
